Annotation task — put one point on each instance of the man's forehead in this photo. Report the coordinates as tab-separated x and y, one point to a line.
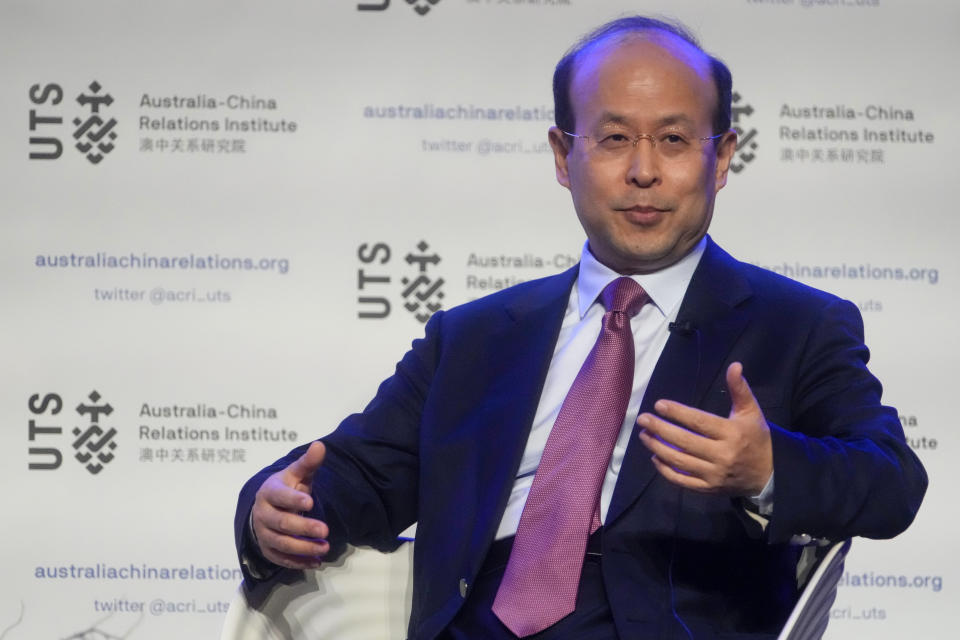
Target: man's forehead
648	43
600	67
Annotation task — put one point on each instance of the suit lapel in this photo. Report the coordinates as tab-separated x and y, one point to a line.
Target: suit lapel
691	360
523	346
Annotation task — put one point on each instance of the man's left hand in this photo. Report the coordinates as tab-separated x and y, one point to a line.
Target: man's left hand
709	453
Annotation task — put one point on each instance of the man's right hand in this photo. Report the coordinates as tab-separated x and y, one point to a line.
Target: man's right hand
286	537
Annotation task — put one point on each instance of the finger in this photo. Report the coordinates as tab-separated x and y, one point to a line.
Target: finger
280	496
301	470
292	546
290	524
675	458
677	432
740	393
700	422
680	479
302	563
669	434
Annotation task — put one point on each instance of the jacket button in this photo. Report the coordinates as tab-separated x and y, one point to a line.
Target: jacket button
463	587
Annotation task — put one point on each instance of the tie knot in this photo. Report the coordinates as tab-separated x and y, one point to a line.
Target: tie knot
623	295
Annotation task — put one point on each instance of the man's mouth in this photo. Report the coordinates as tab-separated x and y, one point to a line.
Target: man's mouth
644	214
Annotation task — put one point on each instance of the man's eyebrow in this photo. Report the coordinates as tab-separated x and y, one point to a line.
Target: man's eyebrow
676	118
613	118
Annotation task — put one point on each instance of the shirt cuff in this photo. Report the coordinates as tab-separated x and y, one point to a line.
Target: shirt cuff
764	500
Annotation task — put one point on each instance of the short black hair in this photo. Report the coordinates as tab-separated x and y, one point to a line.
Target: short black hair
562	75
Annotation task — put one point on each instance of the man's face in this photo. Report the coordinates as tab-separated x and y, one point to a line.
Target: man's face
642	208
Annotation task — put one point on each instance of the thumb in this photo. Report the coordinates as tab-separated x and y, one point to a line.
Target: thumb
301	470
740	393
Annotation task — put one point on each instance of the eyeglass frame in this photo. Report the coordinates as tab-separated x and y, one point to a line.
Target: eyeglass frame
639	136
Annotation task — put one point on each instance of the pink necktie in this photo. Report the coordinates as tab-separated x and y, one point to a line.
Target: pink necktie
539	585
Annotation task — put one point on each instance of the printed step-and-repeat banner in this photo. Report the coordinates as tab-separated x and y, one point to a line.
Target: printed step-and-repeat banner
223	222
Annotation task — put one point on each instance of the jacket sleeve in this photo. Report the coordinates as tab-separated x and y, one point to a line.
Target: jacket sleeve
367	488
843	468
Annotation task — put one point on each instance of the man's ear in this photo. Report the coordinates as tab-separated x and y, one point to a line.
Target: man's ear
726	147
559	142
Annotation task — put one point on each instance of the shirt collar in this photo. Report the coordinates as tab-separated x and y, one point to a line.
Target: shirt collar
666	287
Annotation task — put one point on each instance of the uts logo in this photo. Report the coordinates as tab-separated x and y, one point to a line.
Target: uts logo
746	140
94	446
422	7
95	135
422	294
422	291
93	442
95	130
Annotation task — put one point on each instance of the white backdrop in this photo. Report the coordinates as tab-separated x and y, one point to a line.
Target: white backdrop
222	219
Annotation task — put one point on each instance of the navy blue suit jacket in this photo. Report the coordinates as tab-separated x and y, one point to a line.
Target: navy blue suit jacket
441	443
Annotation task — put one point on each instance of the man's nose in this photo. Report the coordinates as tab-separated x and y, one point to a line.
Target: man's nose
644	169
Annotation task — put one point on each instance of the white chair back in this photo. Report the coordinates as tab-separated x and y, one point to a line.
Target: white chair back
811	614
366	594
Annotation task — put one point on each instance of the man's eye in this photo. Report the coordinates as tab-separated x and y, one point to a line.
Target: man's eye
614	139
673	139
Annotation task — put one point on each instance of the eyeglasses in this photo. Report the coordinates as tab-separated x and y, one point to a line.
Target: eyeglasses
671	144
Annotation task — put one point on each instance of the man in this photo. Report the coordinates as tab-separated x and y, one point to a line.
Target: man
485	436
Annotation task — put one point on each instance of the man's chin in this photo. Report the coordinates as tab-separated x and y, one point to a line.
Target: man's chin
638	262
